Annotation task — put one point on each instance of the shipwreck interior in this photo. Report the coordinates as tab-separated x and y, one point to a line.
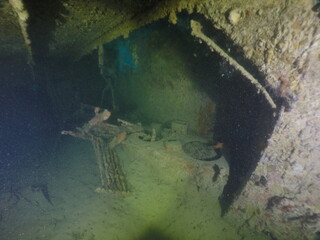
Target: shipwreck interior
156	120
161	73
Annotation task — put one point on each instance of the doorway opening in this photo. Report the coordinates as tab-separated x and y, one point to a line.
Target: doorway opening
161	74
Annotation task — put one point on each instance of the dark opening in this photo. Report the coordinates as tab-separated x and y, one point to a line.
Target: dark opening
145	78
243	119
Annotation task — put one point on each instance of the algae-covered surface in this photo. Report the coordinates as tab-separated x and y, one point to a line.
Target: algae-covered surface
171	196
